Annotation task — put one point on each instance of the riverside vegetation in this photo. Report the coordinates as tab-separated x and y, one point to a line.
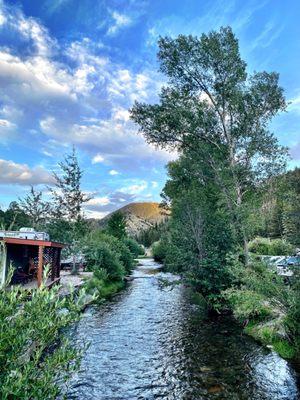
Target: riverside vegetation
36	357
228	185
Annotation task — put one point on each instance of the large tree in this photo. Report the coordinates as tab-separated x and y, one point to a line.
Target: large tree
211	101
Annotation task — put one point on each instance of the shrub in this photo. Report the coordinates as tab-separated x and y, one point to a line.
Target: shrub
160	250
99	255
100	285
281	247
133	246
260	245
119	248
266	246
247	304
105	251
34	355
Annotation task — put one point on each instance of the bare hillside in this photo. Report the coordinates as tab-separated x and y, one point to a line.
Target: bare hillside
139	216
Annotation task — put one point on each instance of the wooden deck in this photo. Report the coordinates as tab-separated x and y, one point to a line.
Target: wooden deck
67	282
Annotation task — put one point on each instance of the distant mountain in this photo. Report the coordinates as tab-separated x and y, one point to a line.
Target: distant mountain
139	216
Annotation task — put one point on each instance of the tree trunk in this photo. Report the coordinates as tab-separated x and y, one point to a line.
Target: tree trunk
74	269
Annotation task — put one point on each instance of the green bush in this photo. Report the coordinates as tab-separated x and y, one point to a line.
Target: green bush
260	246
133	246
292	321
271	247
102	288
118	247
34	354
160	250
281	247
105	251
247	304
99	255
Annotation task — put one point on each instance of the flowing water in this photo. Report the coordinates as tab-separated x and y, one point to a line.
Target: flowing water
150	342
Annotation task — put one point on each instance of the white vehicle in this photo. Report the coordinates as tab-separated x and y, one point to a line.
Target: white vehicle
25	233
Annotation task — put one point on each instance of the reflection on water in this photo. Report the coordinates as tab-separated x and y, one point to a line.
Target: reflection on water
152	343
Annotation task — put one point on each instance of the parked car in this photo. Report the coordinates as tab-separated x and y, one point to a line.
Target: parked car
67	263
286	265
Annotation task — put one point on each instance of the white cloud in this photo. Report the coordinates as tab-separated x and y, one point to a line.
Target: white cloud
97	159
295	151
154	184
32	30
34	80
96	214
294	105
135	188
4	123
113	172
83	102
98	201
119	21
22	174
121	114
2	18
7	129
116	141
55	5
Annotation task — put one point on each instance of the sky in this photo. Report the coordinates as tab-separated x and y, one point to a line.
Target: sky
70	70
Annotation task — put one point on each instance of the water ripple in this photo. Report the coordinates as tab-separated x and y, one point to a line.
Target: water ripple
151	343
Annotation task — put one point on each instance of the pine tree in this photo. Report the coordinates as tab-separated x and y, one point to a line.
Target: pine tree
117	225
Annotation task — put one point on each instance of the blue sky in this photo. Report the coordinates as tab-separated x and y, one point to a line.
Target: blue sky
70	69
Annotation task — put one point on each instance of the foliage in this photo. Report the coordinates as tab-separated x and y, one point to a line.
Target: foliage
270	307
160	250
292	322
279	210
105	251
133	246
68	197
35	357
67	202
272	247
248	304
116	225
200	233
14	217
212	105
36	208
148	236
101	285
98	254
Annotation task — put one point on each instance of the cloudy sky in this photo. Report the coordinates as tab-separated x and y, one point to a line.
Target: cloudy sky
70	69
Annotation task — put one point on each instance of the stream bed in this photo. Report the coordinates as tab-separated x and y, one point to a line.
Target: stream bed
151	342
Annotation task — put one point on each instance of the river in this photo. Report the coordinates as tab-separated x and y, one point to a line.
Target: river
151	342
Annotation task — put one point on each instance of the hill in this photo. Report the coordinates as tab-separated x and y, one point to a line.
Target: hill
139	216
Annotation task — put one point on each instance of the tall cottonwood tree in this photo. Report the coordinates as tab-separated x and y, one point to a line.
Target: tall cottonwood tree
211	101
